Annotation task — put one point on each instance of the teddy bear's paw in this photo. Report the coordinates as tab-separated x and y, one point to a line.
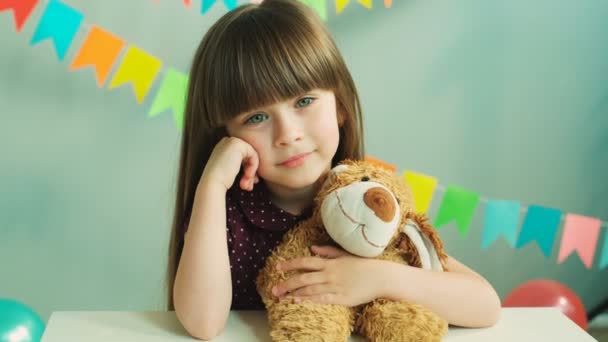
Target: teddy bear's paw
309	322
385	321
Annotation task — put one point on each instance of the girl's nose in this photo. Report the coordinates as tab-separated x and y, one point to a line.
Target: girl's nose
288	131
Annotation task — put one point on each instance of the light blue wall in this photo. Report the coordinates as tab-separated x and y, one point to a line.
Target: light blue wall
506	98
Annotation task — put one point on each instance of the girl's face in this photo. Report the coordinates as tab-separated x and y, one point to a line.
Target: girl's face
295	139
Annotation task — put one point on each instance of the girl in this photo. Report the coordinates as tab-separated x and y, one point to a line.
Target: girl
271	108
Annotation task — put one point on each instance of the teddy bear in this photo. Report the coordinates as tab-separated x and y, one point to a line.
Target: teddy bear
369	212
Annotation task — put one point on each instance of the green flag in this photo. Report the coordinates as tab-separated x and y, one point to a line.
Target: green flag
171	95
458	204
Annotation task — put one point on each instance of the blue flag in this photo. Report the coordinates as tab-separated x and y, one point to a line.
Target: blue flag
207	4
501	218
541	225
60	23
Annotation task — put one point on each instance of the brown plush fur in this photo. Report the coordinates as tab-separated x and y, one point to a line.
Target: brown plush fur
380	320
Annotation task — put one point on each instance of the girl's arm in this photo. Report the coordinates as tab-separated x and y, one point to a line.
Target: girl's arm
461	296
203	292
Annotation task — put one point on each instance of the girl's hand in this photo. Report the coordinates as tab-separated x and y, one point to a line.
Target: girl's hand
342	278
226	160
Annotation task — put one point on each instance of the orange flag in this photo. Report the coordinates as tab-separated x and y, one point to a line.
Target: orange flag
100	50
380	163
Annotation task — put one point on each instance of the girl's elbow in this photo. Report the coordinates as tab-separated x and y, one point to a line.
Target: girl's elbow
201	325
206	333
493	311
206	328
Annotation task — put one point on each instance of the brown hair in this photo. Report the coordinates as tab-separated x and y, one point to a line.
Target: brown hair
251	57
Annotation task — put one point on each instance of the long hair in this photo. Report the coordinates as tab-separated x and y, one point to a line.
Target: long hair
251	57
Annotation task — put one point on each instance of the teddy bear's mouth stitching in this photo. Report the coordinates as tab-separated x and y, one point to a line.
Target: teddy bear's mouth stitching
359	224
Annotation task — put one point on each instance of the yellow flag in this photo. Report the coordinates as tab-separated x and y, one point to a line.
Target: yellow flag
341	4
138	67
423	187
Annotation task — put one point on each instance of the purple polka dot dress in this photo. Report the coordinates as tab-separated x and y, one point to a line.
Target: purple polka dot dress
255	226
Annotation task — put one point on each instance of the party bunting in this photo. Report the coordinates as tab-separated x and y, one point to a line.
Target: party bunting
318	6
100	50
341	4
171	94
60	23
423	187
580	235
541	225
138	67
21	10
207	4
501	219
380	163
458	204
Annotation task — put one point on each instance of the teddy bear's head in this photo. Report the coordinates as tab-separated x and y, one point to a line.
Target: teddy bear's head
365	208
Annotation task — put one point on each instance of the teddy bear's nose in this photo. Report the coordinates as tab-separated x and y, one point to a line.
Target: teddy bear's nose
381	202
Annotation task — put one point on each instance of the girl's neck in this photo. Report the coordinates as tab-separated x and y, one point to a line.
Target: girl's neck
293	201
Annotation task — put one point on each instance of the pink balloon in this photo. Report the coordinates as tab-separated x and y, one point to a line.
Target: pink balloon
548	293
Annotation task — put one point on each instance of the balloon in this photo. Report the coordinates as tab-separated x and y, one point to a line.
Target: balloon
19	323
548	293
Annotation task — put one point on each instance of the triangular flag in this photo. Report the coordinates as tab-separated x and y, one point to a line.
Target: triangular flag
138	67
207	4
423	187
580	235
341	4
187	3
380	163
100	50
21	10
458	204
171	94
604	257
501	218
388	3
541	225
318	6
59	22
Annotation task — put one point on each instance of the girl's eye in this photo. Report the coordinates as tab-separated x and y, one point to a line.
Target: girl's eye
257	118
305	101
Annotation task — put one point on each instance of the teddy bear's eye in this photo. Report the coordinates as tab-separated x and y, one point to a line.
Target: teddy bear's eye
364	179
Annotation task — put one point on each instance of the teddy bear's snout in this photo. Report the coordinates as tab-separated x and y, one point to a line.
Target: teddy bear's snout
381	202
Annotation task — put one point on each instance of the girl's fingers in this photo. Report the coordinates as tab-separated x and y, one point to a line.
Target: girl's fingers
250	168
312	290
329	252
299	281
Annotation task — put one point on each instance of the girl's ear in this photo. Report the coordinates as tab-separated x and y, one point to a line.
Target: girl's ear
429	237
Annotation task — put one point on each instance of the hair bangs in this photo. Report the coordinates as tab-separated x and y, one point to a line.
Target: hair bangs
267	58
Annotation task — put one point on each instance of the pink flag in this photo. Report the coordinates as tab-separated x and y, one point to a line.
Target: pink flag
580	235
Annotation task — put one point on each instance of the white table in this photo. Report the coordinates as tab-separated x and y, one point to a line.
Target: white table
516	324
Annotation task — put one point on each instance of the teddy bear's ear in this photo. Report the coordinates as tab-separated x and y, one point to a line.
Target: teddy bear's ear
339	168
423	237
